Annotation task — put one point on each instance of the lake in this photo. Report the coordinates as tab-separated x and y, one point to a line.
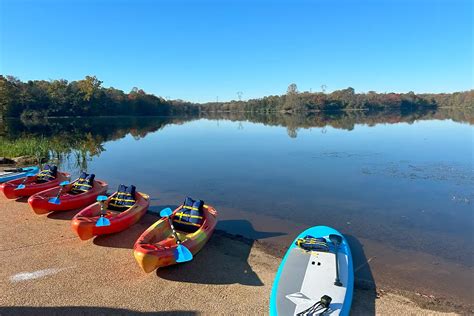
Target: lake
401	184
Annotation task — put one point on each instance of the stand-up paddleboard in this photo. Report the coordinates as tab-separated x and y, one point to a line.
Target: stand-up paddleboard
17	173
307	281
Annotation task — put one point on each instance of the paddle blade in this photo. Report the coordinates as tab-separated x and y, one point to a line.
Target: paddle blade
64	183
102	221
54	200
101	198
182	254
166	212
20	187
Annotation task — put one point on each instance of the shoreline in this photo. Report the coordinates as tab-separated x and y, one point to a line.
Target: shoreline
47	268
365	287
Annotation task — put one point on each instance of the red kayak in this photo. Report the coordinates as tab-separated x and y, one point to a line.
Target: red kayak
84	224
69	200
32	185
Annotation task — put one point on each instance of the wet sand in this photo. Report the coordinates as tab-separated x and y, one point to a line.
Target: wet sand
46	269
430	280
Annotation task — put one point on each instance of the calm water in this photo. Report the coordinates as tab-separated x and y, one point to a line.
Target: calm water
407	185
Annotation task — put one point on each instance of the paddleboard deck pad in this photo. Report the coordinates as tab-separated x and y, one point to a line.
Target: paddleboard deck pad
305	281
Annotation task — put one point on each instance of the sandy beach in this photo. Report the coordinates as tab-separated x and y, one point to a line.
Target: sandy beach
47	270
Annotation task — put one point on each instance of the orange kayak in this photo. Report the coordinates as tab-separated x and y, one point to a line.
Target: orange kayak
69	201
32	186
84	223
155	248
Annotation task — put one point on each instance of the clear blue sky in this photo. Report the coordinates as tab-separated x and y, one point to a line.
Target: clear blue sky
197	50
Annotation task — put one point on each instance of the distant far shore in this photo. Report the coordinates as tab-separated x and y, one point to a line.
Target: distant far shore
85	98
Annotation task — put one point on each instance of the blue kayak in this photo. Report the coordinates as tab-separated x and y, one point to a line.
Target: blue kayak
16	173
316	276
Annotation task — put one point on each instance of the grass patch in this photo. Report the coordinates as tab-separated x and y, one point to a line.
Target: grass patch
28	146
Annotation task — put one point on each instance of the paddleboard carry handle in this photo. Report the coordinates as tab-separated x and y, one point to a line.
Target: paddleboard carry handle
336	240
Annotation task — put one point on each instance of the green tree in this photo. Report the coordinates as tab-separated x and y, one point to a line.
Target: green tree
89	86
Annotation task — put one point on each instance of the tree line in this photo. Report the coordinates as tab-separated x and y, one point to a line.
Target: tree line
345	99
87	97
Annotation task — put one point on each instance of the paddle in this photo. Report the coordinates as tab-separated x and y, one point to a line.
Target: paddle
182	254
14	170
22	185
336	240
102	221
56	200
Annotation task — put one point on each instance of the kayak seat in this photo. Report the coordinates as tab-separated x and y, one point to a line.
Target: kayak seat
47	174
190	217
123	199
310	243
83	184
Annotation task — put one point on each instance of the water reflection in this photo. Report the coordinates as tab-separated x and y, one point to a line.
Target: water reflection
74	141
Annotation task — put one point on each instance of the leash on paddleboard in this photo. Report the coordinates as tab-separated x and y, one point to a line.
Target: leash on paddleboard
319	308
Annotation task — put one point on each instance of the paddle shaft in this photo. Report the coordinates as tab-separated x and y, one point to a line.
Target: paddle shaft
174	231
60	191
14	170
102	208
24	180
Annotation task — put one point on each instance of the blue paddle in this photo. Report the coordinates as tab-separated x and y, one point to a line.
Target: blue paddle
102	221
182	254
22	185
56	200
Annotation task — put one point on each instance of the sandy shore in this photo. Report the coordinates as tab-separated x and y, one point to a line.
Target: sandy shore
46	269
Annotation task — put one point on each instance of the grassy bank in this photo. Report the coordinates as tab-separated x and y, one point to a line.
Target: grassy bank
28	146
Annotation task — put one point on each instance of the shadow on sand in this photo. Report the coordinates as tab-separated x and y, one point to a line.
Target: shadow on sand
224	260
23	199
63	215
365	290
83	310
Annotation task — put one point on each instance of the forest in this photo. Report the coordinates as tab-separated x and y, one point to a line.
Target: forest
87	97
345	99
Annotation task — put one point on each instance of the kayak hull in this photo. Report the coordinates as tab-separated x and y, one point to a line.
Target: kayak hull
10	191
84	223
40	205
17	175
155	248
